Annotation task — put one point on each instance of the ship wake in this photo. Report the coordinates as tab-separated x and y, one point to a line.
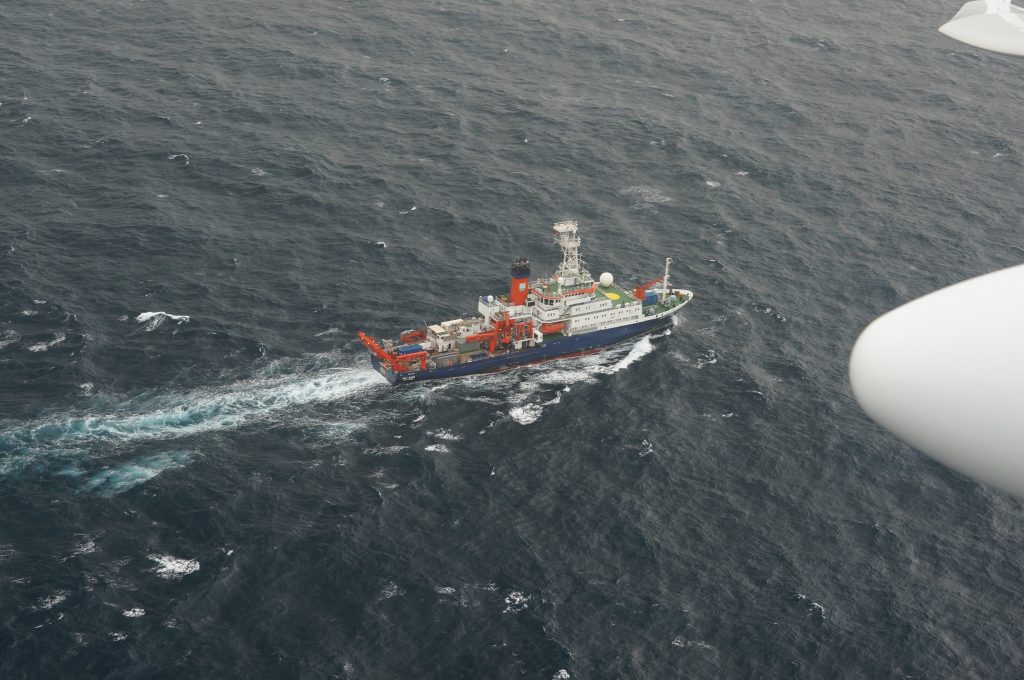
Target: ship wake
177	415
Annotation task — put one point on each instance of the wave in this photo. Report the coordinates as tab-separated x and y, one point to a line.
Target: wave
645	197
525	409
116	479
587	369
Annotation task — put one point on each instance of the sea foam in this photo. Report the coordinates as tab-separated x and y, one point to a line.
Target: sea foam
173	568
154	320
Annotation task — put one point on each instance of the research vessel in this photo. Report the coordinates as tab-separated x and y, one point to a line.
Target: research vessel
567	314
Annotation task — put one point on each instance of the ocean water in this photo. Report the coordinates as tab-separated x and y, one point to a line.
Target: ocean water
200	476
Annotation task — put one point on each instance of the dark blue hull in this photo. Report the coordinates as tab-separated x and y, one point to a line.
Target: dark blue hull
575	345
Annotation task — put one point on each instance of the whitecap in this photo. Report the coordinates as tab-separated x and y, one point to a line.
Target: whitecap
329	331
680	641
436	448
562	674
8	338
134	613
154	320
258	172
51	601
43	346
173	568
86	545
118	636
708	358
526	414
712	183
384	450
179	155
390	590
445	434
516	602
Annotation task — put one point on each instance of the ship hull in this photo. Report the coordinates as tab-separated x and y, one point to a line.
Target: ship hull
561	348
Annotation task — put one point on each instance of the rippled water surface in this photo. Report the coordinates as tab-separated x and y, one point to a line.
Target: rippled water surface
201	476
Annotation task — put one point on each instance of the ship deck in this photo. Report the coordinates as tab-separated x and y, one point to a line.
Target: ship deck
617	294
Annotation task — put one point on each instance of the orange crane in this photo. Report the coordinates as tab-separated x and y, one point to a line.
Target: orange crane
501	331
398	364
640	291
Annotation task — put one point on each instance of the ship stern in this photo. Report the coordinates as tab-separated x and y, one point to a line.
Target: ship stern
385	371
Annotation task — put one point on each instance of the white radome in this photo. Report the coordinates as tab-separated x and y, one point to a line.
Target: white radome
606	280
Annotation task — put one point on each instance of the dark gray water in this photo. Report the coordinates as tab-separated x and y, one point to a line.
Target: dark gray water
239	495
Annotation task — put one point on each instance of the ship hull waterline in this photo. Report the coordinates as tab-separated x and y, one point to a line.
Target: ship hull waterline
562	348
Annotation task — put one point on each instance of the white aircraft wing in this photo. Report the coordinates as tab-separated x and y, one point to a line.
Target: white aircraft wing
945	373
994	25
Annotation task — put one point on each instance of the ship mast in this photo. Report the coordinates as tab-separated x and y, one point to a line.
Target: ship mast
571	271
664	280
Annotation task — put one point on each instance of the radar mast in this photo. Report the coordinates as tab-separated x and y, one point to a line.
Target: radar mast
571	272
